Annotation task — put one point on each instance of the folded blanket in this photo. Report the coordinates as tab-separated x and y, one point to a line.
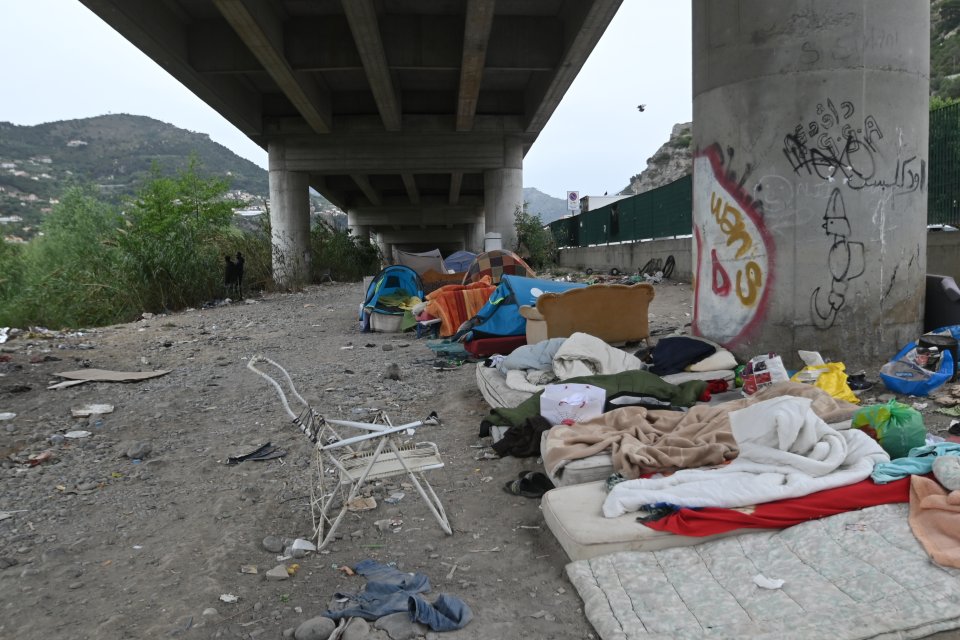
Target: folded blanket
786	450
935	520
647	441
455	304
584	355
532	356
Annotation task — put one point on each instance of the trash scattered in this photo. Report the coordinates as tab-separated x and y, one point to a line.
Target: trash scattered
764	582
90	409
920	406
362	504
102	375
389	524
248	568
228	597
77	434
394	498
303	545
263	452
347	571
7	415
292	569
279	572
4	333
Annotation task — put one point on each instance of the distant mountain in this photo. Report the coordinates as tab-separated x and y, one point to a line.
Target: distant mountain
547	207
113	152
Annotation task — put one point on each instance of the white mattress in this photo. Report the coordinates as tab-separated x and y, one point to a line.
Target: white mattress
573	514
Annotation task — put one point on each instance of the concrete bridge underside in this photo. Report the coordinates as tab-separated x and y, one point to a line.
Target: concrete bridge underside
413	116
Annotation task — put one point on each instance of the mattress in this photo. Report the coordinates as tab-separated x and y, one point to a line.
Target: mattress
590	469
573	514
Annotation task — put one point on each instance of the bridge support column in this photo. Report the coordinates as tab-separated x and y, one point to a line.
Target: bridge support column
289	221
810	183
503	194
361	231
473	236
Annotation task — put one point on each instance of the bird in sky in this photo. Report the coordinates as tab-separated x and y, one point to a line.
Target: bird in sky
641	107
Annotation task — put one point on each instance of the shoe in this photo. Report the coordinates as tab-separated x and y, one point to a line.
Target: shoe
859	382
530	485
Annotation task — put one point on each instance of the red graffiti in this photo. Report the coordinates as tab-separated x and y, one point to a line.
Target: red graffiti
721	280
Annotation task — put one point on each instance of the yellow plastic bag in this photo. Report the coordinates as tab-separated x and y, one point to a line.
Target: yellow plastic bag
831	377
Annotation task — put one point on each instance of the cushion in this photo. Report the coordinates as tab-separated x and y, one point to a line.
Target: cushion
483	347
573	514
946	469
722	359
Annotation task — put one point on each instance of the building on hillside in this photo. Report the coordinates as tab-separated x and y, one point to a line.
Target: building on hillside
589	203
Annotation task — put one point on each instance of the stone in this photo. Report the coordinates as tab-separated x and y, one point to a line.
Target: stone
318	628
288	632
139	450
356	629
393	372
279	572
57	438
210	611
399	626
273	544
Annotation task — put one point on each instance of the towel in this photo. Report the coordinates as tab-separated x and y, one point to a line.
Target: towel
455	304
935	520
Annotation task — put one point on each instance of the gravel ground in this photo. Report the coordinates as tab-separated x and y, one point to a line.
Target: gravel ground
138	529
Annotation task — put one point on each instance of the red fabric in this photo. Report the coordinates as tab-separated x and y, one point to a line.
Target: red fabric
784	513
483	347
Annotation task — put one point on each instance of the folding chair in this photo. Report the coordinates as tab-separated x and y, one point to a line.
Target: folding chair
343	465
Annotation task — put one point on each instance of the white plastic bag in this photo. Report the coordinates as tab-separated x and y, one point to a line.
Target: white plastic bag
763	371
571	403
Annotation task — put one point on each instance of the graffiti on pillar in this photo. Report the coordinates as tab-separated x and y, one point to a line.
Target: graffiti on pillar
845	261
837	145
734	253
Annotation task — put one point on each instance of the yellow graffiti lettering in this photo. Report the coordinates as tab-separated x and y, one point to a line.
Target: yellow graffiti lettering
754	280
730	220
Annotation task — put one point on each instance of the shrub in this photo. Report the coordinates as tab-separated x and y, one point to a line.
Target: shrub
534	242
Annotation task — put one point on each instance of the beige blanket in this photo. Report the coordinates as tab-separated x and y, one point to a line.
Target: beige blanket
644	441
935	520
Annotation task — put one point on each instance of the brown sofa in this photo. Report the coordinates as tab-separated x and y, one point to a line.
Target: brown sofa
615	313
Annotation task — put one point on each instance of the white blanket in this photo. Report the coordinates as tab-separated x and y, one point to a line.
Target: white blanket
584	355
786	451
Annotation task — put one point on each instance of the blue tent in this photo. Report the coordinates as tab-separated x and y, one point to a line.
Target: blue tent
501	315
459	262
394	280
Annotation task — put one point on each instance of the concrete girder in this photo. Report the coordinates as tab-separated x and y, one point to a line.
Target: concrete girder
362	17
162	35
363	181
410	184
478	23
544	96
417	236
417	216
261	29
456	182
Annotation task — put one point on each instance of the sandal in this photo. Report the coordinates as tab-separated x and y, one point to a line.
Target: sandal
530	485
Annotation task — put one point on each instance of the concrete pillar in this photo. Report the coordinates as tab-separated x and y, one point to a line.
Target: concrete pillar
289	220
503	193
474	236
810	183
361	231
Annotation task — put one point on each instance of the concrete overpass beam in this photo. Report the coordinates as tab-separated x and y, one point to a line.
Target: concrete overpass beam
810	193
289	221
503	193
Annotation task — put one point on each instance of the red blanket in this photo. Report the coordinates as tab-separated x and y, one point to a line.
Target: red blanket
784	513
454	304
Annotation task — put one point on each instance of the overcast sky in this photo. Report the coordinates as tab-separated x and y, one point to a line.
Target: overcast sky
62	62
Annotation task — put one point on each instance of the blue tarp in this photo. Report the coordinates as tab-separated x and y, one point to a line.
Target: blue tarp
501	315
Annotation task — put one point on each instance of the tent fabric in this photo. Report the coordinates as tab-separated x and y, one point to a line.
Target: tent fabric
497	264
459	261
391	281
420	262
501	315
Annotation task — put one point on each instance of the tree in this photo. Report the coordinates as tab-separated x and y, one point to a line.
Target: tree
534	241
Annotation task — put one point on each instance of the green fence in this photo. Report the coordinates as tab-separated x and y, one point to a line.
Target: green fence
943	184
660	213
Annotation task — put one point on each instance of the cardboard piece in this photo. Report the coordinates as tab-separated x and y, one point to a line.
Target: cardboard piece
103	375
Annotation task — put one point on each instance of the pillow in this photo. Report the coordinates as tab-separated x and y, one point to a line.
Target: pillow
722	359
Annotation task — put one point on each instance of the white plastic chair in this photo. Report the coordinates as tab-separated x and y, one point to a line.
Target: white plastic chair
343	465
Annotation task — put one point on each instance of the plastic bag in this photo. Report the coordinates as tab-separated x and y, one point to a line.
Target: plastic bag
831	377
763	371
903	375
898	427
571	403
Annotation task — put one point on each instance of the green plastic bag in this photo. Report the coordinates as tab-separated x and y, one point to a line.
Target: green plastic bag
896	426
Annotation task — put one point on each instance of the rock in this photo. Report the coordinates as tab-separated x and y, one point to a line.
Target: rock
210	611
57	438
273	544
399	626
393	372
139	450
356	629
279	572
288	632
318	628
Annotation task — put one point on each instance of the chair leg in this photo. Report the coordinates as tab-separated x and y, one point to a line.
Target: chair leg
432	501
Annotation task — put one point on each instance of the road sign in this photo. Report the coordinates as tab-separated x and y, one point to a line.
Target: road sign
573	200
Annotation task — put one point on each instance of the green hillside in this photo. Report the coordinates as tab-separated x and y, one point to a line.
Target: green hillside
113	152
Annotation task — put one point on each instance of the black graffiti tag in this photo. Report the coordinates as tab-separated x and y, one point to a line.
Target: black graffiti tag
845	261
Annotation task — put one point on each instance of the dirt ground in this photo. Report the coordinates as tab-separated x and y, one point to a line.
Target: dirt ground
138	529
